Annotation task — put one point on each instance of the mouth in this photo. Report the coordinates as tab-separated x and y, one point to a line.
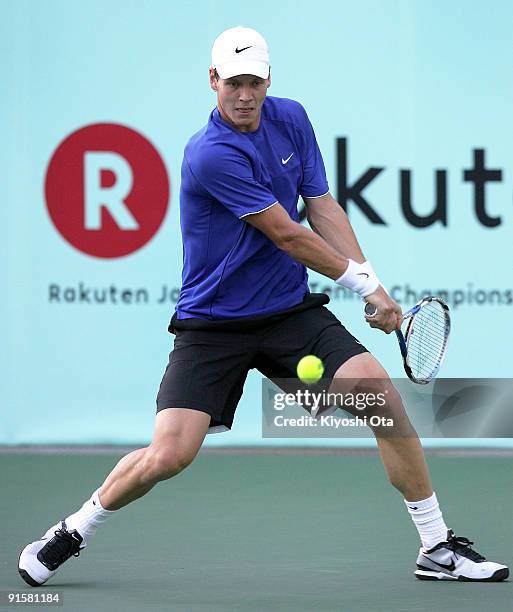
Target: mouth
244	110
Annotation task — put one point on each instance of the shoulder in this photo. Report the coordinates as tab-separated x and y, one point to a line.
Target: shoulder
285	109
216	160
206	150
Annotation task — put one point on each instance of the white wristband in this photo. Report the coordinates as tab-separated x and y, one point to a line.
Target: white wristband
359	278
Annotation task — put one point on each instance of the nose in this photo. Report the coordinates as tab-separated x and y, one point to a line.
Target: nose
245	94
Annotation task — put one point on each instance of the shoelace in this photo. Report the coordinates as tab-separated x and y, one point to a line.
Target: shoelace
61	547
462	546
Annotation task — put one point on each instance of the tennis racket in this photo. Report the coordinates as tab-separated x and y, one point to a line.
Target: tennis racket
424	343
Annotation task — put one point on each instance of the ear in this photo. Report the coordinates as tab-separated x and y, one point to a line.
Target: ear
212	78
269	78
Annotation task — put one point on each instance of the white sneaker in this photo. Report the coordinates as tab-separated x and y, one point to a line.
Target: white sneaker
41	559
455	560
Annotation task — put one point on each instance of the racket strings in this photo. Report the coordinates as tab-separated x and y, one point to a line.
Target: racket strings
425	345
426	339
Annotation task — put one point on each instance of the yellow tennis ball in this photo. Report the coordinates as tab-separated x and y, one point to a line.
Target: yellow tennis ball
310	369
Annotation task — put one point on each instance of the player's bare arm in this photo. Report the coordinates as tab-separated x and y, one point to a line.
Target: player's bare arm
299	242
328	219
314	251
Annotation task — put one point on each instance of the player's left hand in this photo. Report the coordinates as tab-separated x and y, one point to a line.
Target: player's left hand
388	316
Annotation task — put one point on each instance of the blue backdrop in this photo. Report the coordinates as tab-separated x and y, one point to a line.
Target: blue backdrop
420	90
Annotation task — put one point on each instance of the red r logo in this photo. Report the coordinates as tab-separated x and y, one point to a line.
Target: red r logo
107	190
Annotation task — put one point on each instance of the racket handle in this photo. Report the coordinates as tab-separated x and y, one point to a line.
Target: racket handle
370	310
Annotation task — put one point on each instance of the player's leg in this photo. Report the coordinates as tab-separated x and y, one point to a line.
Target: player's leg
318	332
178	436
202	383
399	446
442	555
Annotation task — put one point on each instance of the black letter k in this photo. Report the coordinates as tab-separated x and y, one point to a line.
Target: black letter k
353	192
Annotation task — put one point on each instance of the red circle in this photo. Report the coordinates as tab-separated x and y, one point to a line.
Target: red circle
146	202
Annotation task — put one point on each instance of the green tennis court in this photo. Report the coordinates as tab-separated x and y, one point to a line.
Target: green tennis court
264	530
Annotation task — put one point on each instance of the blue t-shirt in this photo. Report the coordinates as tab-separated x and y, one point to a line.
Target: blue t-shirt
230	268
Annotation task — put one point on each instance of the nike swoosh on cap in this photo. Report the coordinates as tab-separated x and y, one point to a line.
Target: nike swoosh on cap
362	274
237	50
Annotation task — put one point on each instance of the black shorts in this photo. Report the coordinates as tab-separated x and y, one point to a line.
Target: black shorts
209	363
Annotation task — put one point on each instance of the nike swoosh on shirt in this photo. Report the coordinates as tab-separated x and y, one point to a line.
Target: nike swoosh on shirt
362	274
285	161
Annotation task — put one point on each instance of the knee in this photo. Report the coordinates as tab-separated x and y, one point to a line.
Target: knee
385	411
371	391
162	464
391	417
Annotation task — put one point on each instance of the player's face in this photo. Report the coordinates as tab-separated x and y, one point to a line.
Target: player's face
240	99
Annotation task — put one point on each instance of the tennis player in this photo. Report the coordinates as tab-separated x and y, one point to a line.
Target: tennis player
245	304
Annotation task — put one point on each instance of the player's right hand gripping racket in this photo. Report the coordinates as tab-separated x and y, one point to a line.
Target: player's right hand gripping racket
424	343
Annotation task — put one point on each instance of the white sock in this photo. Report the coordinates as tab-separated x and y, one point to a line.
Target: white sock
89	517
427	516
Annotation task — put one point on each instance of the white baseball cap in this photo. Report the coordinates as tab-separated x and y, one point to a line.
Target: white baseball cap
240	51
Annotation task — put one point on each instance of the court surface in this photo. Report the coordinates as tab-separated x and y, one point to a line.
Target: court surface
242	531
